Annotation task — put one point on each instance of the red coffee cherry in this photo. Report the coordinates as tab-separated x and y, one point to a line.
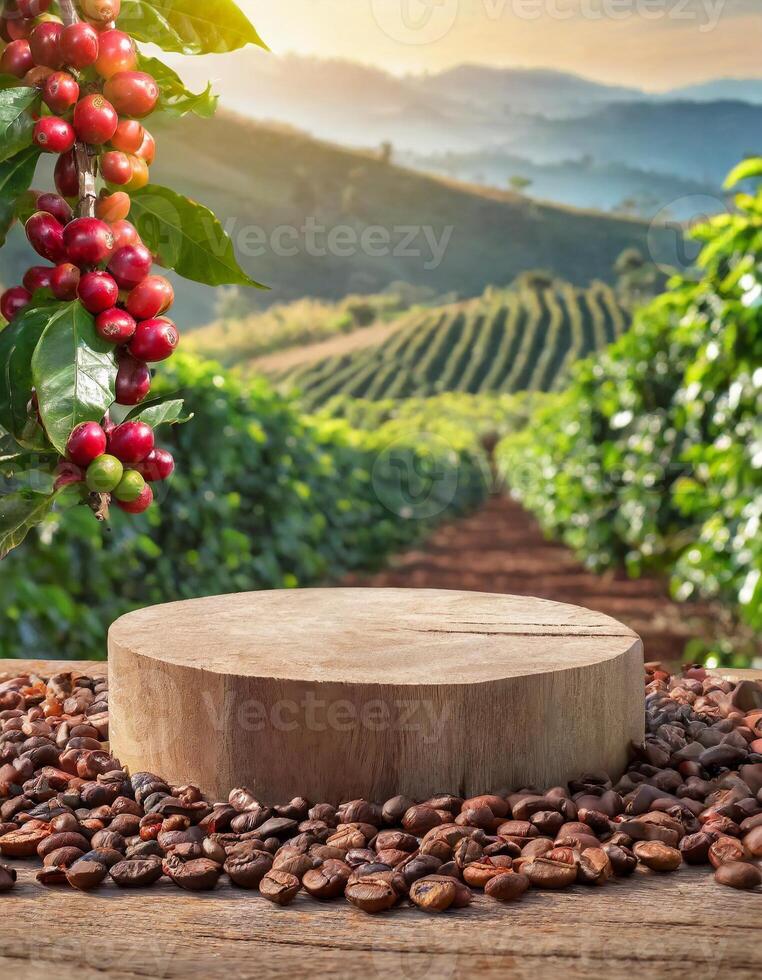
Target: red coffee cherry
86	442
125	233
115	326
57	206
95	119
140	175
66	176
53	135
142	503
36	77
88	241
129	136
115	167
158	465
45	235
116	53
100	11
13	301
79	45
45	44
33	8
113	208
130	265
154	340
37	277
131	442
19	28
147	149
133	380
17	59
97	292
60	92
150	298
132	93
64	280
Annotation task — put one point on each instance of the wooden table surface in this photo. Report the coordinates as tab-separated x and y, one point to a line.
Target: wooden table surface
681	925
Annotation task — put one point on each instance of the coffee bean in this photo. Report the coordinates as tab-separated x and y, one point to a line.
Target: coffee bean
695	848
279	886
247	869
372	893
418	820
433	894
395	809
736	874
7	878
657	856
623	861
86	875
594	867
327	881
136	874
726	849
753	841
544	873
200	874
479	873
509	887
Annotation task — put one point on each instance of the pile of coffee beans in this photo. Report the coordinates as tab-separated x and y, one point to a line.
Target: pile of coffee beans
692	795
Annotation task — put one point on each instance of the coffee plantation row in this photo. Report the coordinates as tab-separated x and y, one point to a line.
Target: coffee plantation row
508	340
653	456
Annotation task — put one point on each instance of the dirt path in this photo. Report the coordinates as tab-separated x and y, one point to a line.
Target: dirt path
502	549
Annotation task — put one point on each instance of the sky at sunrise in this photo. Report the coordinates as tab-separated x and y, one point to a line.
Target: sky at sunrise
652	44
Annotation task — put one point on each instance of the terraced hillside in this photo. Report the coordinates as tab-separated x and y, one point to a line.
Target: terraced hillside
518	339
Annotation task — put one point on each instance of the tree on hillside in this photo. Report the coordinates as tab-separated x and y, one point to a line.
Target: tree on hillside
519	184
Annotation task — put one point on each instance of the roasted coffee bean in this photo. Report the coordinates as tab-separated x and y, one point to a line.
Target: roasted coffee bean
86	875
509	887
436	893
623	861
418	820
200	874
753	840
726	849
293	863
279	887
594	867
657	856
62	857
544	873
327	881
136	874
247	869
7	878
56	841
372	893
479	873
419	866
737	874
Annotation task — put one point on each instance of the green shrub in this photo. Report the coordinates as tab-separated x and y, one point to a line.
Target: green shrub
264	498
653	456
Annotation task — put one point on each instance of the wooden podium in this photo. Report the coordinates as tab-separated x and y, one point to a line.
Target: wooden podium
336	694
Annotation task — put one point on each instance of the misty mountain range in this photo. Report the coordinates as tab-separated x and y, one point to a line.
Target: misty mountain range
580	142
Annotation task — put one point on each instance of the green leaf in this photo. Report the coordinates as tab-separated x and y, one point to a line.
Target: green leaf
19	513
160	412
745	169
186	237
16	175
74	372
16	123
175	99
17	345
188	26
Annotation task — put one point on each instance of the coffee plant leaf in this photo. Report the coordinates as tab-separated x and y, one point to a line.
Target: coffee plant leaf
752	167
16	122
73	371
16	175
189	26
160	412
8	81
17	345
19	513
187	237
175	99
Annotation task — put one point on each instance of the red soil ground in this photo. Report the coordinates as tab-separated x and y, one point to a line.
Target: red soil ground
502	549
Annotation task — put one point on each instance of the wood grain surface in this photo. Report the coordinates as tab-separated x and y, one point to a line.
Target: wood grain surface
681	925
336	694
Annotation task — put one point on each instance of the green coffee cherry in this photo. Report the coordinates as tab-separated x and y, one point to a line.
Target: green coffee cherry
104	474
130	487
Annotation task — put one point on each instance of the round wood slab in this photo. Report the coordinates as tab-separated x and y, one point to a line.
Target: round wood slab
336	694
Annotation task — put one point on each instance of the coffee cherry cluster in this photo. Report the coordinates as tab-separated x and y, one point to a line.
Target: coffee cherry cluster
120	460
94	99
